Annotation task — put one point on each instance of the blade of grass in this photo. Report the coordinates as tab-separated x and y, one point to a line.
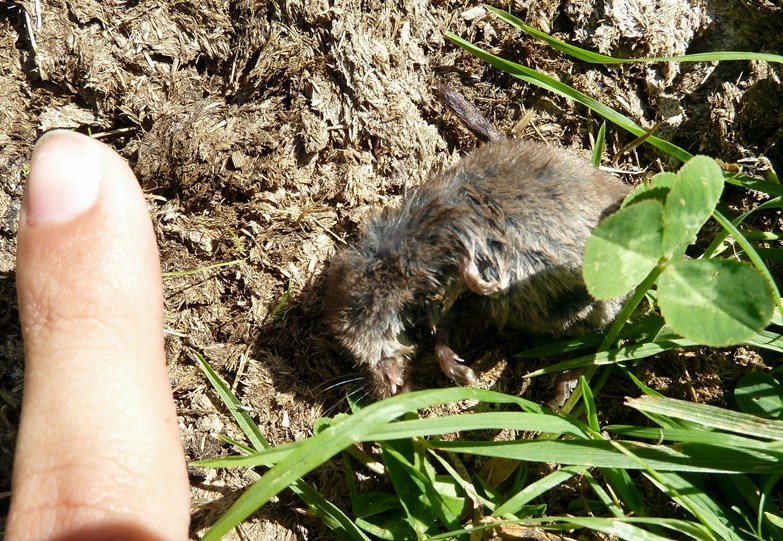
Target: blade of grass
241	446
625	529
237	410
704	436
774	189
751	253
518	421
528	422
601	453
416	488
617	478
598	149
711	417
611	502
536	489
768	340
597	58
433	426
696	501
777	202
765	498
648	326
627	353
539	79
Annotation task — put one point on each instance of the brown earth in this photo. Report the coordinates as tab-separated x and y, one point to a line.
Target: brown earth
263	132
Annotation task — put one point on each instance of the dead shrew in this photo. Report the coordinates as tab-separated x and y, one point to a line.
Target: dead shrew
503	229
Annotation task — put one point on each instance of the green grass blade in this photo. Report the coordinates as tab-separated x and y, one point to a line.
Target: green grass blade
600	141
246	449
751	253
639	383
703	436
684	493
617	478
529	422
236	409
648	326
597	58
265	457
711	417
697	502
416	488
770	188
559	347
625	528
626	490
602	454
612	504
591	412
751	501
543	81
536	489
627	353
712	249
462	478
332	515
768	340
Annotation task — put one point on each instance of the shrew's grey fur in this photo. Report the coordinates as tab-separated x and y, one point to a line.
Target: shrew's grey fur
505	229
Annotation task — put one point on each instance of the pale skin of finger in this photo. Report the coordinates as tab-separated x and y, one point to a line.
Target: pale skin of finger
98	453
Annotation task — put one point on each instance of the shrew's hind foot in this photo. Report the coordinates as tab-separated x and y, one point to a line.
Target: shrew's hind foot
451	363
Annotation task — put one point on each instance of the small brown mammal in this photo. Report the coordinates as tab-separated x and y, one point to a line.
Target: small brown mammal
505	229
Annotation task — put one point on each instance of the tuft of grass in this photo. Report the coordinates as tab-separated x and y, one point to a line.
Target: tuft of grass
435	497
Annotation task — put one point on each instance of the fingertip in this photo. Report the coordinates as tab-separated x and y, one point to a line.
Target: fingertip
65	176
